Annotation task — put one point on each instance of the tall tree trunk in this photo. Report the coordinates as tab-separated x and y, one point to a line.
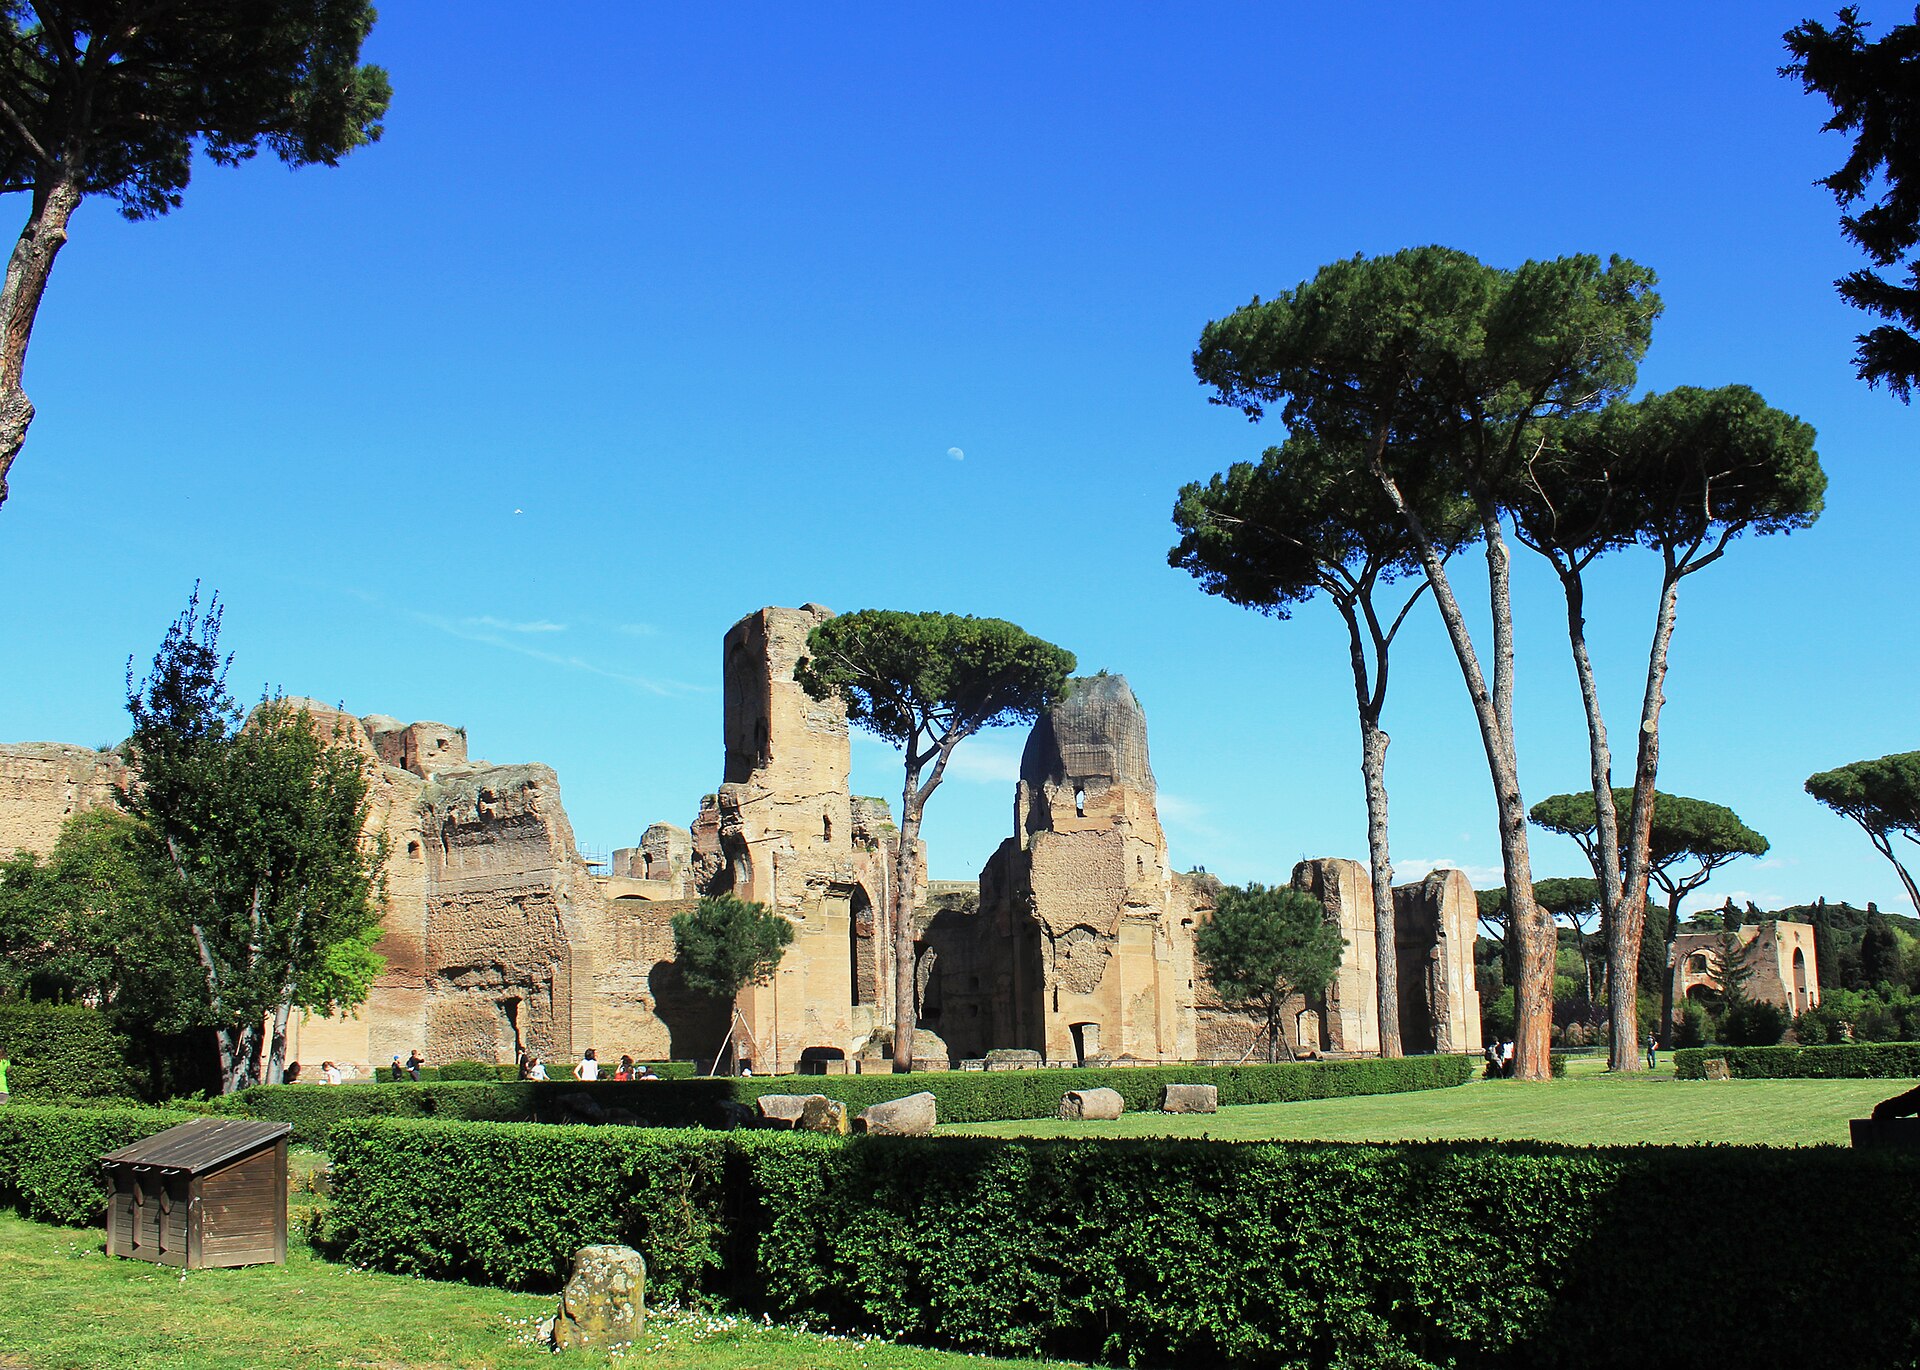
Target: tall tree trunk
277	1043
1369	688
1623	1049
1373	767
1666	984
26	281
904	1017
1623	935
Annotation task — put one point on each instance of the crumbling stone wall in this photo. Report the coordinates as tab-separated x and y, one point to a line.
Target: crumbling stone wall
1779	952
43	784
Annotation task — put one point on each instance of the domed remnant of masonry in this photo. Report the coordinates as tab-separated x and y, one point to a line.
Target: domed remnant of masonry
1075	943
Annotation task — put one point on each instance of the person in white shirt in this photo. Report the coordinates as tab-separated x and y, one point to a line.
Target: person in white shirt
589	1067
536	1069
329	1073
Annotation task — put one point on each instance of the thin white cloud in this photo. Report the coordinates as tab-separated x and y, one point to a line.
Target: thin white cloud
1419	868
469	630
1186	816
500	625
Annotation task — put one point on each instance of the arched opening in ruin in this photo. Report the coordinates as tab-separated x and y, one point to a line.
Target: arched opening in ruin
1697	963
646	865
1800	1000
1306	1029
863	955
1086	1041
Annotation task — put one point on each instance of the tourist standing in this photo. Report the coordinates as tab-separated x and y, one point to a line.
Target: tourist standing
399	1071
589	1067
1653	1050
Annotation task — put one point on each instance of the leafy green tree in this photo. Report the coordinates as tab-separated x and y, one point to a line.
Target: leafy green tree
1883	797
1263	946
1880	960
260	836
1442	370
113	98
1687	841
926	683
1683	474
1309	520
1874	88
726	944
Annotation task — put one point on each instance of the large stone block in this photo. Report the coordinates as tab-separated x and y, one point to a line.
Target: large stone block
913	1116
1189	1099
822	1114
1088	1104
783	1110
604	1303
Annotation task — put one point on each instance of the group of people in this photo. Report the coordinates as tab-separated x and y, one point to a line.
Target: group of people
533	1068
1499	1054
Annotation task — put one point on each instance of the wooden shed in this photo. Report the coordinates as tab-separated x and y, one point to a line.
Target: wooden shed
211	1192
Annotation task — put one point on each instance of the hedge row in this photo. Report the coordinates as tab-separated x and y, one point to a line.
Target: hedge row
49	1156
1176	1252
1861	1061
63	1051
961	1096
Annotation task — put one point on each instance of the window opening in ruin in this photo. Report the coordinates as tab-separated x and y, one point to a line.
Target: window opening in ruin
1800	998
1056	998
862	951
826	827
413	849
1697	963
1139	865
1080	801
1086	1041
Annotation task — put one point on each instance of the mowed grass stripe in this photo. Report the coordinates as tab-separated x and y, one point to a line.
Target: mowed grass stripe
1588	1108
66	1305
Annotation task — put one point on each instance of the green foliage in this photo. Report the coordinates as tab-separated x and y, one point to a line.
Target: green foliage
903	676
117	97
1694	1027
49	1156
726	944
1872	87
1753	1023
260	835
1496	1017
1170	1252
1883	797
65	1051
1684	830
961	1096
1880	960
510	1205
1891	1014
1262	946
1860	1061
467	1070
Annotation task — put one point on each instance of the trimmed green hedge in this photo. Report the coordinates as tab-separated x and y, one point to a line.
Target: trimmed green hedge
1177	1252
961	1096
63	1051
510	1205
1861	1061
49	1156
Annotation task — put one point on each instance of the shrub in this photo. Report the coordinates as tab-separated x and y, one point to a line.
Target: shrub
1812	1029
49	1156
1859	1061
1691	1030
1753	1023
1166	1252
63	1051
468	1070
961	1096
510	1205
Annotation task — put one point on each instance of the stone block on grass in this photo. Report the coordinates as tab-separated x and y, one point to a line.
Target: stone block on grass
913	1116
1189	1099
1088	1104
604	1303
823	1115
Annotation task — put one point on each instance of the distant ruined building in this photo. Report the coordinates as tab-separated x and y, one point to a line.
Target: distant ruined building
1076	943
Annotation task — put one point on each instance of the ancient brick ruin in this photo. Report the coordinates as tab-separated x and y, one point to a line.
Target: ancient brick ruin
1076	943
1779	953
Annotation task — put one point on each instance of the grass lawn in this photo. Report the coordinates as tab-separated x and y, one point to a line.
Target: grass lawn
1589	1107
66	1305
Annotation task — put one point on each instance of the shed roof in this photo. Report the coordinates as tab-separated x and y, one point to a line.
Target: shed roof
200	1145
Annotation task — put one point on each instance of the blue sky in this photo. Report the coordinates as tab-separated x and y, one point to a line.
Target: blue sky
640	319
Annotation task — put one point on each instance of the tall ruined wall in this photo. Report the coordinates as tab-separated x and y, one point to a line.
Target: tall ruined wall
1095	929
43	784
782	831
1779	953
1434	927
